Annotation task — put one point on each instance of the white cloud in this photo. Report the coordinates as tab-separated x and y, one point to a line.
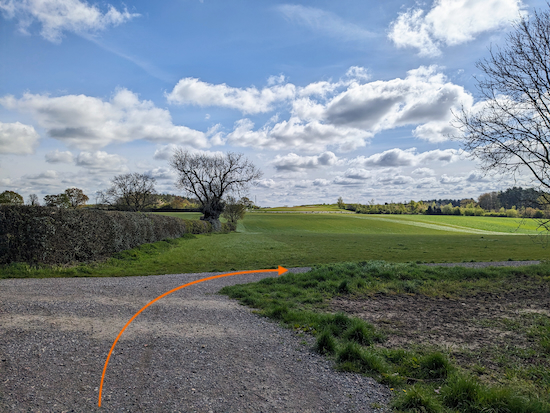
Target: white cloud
450	180
250	100
58	16
307	136
324	22
321	182
59	157
101	162
395	158
451	22
424	172
357	173
162	174
423	97
296	163
165	152
17	138
90	123
48	178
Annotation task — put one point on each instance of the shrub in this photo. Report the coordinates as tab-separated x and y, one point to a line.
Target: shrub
326	343
434	366
417	399
48	235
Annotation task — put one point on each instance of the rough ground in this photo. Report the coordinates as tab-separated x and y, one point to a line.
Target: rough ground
470	326
193	350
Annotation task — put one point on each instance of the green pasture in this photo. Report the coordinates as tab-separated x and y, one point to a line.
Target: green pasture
265	240
306	208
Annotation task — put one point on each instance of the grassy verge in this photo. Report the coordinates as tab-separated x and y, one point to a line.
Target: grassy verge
424	378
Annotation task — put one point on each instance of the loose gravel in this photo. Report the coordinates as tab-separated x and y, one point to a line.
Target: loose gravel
192	351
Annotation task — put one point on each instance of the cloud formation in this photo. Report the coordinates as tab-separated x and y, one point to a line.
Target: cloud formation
101	162
345	114
451	22
395	158
58	16
193	91
90	123
18	139
297	163
59	157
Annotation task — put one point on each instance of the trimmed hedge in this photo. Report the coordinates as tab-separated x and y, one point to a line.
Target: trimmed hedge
49	235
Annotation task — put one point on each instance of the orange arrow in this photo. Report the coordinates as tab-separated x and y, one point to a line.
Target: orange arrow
280	270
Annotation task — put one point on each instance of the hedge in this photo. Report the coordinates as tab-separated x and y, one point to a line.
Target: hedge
50	235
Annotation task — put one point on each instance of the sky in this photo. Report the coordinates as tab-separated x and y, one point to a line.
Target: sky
347	98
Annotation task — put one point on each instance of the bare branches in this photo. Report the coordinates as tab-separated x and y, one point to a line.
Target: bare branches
132	191
210	177
509	129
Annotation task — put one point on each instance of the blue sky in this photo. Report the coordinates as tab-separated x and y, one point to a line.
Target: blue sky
348	98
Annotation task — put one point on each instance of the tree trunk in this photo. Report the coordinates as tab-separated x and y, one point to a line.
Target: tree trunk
216	224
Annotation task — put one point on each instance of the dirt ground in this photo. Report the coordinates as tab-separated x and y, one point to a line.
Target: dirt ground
471	328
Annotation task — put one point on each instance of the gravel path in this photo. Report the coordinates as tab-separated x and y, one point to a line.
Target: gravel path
191	351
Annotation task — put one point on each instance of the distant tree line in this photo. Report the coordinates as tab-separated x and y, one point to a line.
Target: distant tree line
513	202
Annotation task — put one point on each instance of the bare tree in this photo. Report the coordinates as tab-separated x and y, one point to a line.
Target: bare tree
33	200
131	191
210	177
509	130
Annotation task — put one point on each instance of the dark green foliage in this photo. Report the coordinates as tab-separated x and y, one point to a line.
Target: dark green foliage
326	343
417	399
434	366
461	393
35	234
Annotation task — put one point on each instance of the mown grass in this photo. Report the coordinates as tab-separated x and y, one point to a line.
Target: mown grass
266	240
424	379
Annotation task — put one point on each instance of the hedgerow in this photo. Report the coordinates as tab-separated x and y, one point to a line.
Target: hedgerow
47	235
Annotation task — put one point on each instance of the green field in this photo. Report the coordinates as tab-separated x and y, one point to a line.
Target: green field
266	240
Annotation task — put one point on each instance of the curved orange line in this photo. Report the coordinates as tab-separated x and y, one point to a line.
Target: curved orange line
280	270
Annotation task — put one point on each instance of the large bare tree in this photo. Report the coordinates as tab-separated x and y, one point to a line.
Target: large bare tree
508	130
209	177
133	191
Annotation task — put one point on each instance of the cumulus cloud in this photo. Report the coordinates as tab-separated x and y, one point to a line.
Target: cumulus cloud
423	172
357	173
48	178
423	97
90	123
321	182
294	133
17	138
451	22
395	158
250	100
58	16
101	162
162	174
450	180
296	163
324	22
59	157
476	176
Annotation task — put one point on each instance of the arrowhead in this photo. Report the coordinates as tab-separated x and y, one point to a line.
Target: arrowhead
281	270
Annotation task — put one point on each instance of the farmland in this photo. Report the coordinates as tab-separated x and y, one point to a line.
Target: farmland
265	240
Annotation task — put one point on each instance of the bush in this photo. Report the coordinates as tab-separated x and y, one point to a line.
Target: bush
47	235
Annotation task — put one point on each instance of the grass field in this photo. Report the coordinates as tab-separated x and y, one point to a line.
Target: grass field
265	240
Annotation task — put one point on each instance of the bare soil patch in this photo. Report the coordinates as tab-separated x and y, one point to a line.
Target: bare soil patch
475	329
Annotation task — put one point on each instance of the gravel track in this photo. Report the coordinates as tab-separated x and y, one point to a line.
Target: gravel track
193	350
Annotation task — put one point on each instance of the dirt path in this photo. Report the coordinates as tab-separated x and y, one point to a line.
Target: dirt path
192	351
